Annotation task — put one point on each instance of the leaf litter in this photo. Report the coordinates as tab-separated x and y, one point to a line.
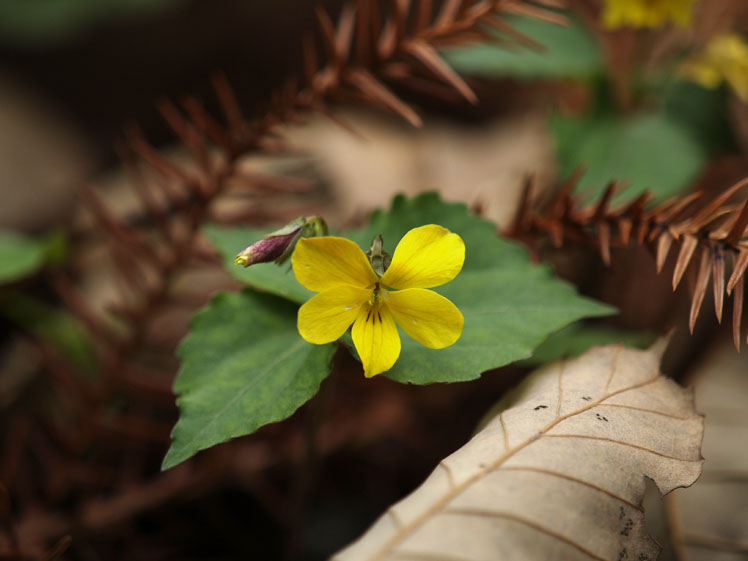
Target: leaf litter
559	475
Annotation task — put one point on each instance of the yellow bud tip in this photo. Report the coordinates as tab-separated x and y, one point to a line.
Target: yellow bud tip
242	259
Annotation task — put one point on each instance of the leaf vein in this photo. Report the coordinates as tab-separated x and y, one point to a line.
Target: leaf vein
505	431
243	391
561	369
450	475
395	517
526	522
622	443
575	479
614	367
652	411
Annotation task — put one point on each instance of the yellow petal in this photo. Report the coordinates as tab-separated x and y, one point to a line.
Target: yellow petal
646	13
427	256
376	338
323	263
428	317
326	316
724	59
702	73
738	80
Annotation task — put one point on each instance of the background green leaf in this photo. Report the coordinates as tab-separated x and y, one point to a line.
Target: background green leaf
266	277
569	52
650	151
510	305
244	365
20	256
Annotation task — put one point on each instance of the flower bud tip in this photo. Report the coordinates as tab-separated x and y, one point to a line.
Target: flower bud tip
242	259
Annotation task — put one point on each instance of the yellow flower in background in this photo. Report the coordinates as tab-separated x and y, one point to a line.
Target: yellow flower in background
351	292
646	13
725	58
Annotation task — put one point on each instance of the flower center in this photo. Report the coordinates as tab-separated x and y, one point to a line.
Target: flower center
378	296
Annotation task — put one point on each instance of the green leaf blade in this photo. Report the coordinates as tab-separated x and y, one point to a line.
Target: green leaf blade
244	365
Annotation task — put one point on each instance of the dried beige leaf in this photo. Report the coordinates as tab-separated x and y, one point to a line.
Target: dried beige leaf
486	167
710	521
558	476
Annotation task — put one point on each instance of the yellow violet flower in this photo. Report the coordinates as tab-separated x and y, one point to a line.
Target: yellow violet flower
351	292
725	58
646	13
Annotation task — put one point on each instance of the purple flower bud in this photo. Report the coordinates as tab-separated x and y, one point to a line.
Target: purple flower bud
279	245
267	249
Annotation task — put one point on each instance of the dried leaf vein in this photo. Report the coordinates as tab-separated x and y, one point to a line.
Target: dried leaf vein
576	480
526	522
622	443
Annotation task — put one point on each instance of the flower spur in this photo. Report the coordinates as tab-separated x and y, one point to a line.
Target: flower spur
352	292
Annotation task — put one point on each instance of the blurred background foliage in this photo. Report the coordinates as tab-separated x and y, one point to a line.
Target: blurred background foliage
48	22
76	76
565	52
659	145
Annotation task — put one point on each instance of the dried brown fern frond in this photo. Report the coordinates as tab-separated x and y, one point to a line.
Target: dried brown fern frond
370	51
711	239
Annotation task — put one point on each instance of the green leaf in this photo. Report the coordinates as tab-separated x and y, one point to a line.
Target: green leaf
510	305
244	365
569	52
574	339
650	151
266	277
20	256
